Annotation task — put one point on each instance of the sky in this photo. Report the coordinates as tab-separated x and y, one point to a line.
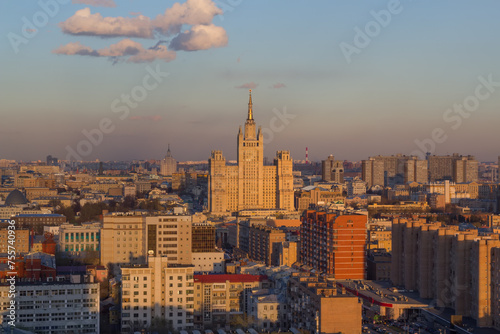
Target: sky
122	79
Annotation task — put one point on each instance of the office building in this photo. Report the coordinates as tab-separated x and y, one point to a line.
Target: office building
334	243
78	239
250	184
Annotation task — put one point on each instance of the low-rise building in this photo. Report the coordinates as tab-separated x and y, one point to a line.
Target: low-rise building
319	305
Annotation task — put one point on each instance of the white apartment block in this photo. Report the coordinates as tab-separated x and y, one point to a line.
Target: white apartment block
53	307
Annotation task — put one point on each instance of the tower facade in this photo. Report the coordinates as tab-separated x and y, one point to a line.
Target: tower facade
250	184
169	164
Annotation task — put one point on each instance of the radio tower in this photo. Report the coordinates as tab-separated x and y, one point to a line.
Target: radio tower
307	156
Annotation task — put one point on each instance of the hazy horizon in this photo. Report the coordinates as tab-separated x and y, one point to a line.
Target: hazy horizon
397	83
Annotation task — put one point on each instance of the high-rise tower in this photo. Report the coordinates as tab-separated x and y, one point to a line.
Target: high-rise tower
250	184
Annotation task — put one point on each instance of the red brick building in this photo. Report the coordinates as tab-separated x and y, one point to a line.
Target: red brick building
334	243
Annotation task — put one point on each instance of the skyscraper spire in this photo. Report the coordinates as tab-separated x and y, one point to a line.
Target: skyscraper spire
169	154
250	114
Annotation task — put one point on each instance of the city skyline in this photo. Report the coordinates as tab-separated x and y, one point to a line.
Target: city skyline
346	94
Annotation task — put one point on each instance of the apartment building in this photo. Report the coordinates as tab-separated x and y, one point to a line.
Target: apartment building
334	243
456	268
318	305
219	299
54	306
123	239
160	290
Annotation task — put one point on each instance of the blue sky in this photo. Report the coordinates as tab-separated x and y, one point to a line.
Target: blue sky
393	92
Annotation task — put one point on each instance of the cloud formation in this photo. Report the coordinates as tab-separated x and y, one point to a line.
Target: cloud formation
279	85
200	37
96	3
248	85
198	14
83	22
192	12
126	49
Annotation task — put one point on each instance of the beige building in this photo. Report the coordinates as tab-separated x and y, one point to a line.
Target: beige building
32	193
319	306
415	170
168	165
170	236
160	290
288	253
332	170
422	260
495	293
454	167
372	172
267	310
221	299
265	244
123	239
20	240
318	196
250	184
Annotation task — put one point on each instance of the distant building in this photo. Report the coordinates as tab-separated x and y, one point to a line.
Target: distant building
332	170
315	195
454	168
36	222
373	172
250	184
168	165
415	170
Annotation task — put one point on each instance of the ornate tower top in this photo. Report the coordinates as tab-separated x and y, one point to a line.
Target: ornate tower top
169	154
250	114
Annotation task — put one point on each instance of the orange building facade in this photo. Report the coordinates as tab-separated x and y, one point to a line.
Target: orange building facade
334	243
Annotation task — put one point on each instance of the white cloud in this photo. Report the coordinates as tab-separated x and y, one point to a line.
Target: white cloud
200	37
96	3
192	12
83	22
